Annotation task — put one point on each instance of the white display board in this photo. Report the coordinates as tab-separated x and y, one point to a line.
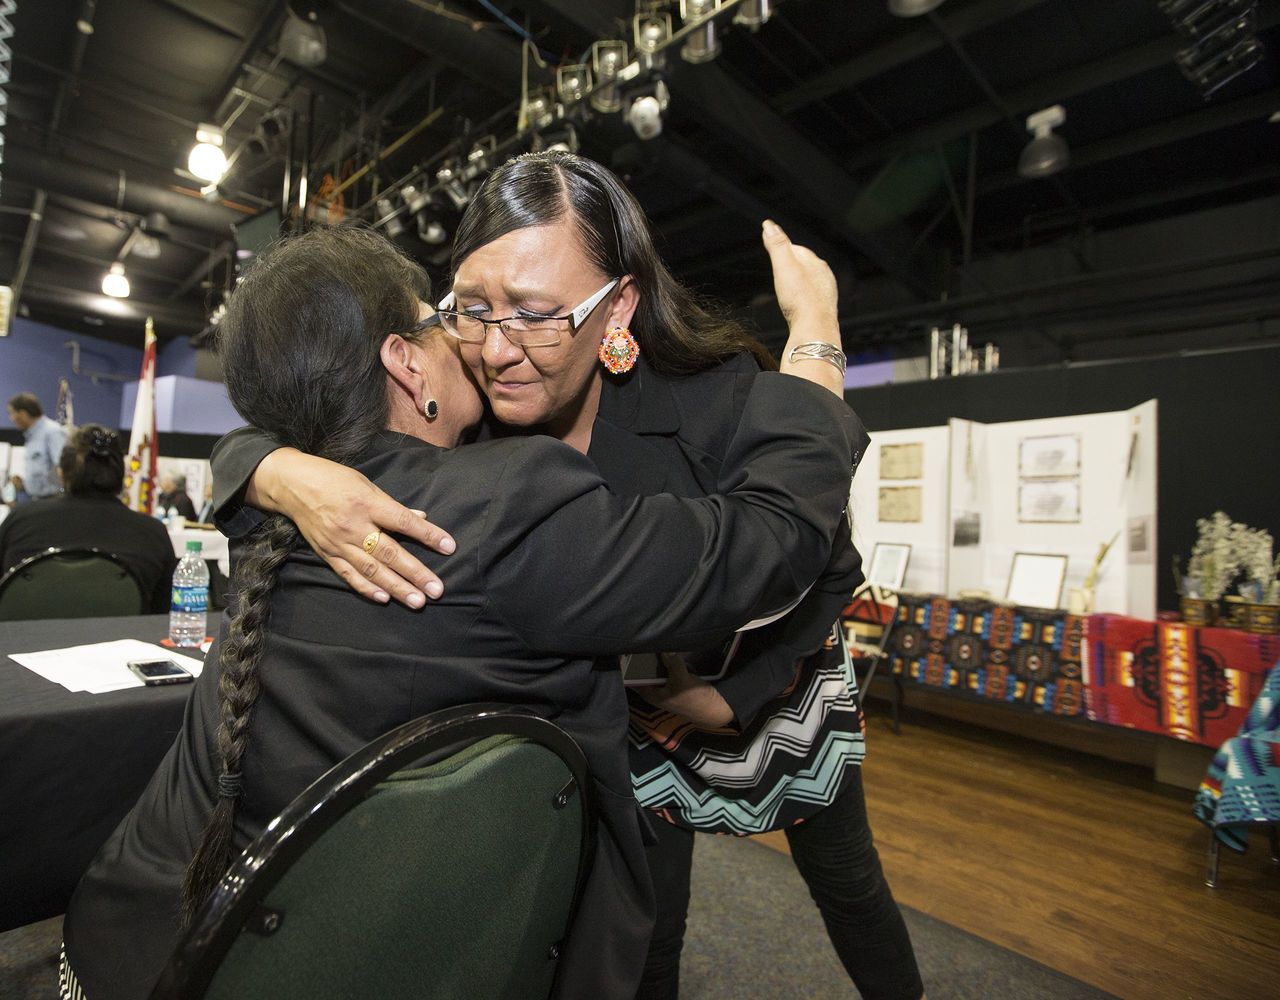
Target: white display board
1054	486
1061	485
914	478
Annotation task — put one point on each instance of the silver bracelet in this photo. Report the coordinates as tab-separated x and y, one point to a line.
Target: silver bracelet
819	351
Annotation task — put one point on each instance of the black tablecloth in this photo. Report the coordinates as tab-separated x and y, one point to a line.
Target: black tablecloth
71	764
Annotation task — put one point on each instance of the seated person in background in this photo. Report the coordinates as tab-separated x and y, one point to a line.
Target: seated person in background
89	515
328	345
173	498
205	514
15	491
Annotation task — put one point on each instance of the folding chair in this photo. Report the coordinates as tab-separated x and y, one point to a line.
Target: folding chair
868	624
443	860
70	583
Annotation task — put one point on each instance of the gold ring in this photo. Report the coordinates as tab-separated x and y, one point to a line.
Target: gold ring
371	541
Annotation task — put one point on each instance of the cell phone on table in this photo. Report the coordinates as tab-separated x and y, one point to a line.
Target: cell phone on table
153	672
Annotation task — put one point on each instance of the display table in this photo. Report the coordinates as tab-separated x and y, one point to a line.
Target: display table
1169	678
1026	656
71	764
1193	684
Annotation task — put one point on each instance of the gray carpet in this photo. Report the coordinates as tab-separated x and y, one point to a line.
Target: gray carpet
738	947
754	932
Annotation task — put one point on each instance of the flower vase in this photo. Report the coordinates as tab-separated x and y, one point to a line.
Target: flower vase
1198	611
1262	619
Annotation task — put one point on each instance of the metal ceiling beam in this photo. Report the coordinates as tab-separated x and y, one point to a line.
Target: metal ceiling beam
1048	90
77	300
915	44
114	188
490	58
272	16
744	119
198	273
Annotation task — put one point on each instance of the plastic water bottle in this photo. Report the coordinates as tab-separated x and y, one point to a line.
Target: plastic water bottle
189	599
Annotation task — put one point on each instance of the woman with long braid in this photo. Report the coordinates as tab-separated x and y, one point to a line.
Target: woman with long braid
328	345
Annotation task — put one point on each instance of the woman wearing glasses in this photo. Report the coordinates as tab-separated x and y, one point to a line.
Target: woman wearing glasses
574	328
324	345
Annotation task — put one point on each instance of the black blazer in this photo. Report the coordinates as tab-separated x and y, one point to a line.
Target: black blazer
82	522
551	570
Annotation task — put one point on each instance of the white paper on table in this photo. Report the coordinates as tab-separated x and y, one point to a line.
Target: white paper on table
100	666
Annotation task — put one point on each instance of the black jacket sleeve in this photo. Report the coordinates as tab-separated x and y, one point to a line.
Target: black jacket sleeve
234	459
765	663
575	570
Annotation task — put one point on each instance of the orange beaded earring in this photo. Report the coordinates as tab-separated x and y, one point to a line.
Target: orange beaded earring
619	350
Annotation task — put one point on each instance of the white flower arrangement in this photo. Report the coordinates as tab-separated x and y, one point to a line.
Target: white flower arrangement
1254	551
1214	561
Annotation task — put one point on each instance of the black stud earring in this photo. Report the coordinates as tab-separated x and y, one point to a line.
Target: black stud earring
431	409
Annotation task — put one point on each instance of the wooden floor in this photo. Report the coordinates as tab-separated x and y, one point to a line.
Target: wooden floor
1085	865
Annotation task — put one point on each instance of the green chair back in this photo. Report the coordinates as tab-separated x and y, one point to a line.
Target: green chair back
453	879
70	583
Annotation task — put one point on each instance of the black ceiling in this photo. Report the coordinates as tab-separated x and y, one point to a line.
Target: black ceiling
854	128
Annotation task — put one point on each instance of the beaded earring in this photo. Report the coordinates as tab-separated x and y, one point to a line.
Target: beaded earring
619	350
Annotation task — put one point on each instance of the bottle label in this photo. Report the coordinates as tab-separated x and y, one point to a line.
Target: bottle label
189	599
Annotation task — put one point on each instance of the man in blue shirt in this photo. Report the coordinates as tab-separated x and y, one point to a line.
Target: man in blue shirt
44	442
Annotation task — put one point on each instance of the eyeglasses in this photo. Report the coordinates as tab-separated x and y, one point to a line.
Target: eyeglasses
526	330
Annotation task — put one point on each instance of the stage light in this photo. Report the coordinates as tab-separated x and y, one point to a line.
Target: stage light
701	45
388	219
302	40
754	13
564	140
607	59
538	110
649	32
1047	153
645	113
452	185
115	283
572	83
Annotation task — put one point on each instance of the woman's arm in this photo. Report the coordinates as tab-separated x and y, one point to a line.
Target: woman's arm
575	570
333	506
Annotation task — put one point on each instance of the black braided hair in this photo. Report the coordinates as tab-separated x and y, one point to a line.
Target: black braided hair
300	354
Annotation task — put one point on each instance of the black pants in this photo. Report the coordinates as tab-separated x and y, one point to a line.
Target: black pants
834	852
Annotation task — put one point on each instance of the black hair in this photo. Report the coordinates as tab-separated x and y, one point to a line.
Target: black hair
92	462
26	402
678	333
300	349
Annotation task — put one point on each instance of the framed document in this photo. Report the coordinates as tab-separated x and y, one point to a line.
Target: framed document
1049	501
1051	457
902	461
902	504
889	565
1035	580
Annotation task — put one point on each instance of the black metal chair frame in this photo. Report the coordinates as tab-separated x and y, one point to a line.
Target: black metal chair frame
871	593
234	903
54	552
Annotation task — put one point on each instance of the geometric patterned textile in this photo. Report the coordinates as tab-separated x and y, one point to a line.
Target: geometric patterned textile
1193	684
1027	656
792	760
1242	785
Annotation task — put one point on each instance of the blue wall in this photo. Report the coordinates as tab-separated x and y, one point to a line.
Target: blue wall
32	359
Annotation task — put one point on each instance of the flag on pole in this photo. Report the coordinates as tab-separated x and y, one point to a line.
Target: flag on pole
140	470
66	406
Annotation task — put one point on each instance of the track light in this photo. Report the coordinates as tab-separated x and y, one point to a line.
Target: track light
754	13
115	283
1223	40
701	45
607	59
206	159
1047	153
302	39
912	8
